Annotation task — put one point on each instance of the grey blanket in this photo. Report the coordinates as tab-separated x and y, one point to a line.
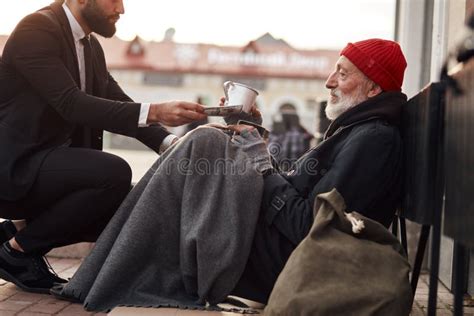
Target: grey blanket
183	235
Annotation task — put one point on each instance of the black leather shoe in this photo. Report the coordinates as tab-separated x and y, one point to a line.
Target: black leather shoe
31	273
7	231
57	292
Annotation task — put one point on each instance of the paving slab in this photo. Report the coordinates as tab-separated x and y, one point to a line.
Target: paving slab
14	302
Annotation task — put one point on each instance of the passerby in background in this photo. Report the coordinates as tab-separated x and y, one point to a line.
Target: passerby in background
288	140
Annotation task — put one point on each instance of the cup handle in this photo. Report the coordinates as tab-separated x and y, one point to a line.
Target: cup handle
227	85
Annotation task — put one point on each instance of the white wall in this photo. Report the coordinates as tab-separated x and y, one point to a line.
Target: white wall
410	30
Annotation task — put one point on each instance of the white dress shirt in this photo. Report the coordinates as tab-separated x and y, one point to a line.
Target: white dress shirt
78	34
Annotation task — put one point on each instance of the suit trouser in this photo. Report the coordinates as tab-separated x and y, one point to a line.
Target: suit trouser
75	194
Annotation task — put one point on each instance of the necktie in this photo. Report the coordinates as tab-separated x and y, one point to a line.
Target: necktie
88	64
84	132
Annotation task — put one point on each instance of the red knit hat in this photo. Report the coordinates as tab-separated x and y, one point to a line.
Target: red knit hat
380	60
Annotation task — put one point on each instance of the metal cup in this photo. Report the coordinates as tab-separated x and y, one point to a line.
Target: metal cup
240	94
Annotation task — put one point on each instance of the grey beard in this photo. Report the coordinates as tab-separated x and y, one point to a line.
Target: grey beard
334	110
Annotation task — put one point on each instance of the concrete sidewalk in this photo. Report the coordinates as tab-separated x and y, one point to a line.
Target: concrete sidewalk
16	302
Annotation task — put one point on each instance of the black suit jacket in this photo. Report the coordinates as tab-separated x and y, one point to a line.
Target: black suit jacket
42	106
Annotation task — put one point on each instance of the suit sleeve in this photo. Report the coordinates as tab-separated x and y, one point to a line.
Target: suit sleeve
153	135
35	52
360	171
115	92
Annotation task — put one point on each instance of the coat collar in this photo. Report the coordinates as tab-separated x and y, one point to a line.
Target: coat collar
386	106
77	31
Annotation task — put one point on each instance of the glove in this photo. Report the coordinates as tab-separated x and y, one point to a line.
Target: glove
253	144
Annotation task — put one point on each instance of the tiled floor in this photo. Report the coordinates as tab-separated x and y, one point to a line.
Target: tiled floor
16	302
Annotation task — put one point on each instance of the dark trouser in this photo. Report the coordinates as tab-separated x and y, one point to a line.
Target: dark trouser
269	254
75	194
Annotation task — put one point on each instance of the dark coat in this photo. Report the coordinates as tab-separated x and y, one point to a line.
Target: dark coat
360	156
42	106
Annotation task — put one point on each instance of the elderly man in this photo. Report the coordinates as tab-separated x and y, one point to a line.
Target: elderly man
56	98
208	234
360	156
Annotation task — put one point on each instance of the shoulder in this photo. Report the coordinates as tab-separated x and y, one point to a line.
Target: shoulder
376	129
44	19
38	30
37	27
374	136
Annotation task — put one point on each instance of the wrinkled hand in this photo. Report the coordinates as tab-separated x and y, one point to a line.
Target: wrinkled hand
254	112
238	129
175	113
243	128
217	125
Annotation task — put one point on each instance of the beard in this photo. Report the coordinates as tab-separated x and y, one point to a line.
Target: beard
98	21
343	103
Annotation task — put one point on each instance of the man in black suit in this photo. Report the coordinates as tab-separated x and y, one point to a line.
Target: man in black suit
56	98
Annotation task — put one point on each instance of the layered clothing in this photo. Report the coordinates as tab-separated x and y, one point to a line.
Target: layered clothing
360	156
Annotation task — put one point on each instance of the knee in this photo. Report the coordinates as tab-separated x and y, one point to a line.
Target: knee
206	135
117	173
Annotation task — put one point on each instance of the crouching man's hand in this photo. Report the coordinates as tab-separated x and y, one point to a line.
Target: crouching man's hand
175	113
